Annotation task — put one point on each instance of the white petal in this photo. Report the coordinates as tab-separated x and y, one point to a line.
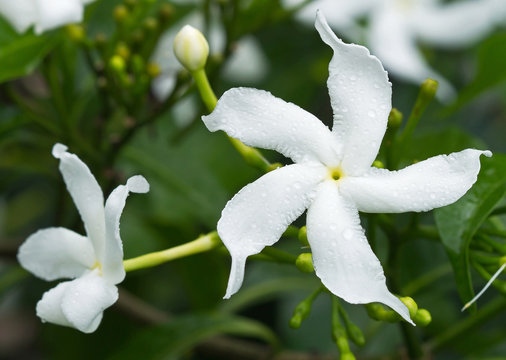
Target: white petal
85	300
86	194
435	182
56	253
259	119
392	39
55	13
20	13
456	24
259	214
342	257
112	266
360	95
49	307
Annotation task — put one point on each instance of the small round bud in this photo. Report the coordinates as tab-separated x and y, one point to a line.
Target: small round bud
422	318
75	32
153	70
428	89
117	63
191	48
123	50
303	236
151	24
166	12
120	13
378	164
394	118
355	334
411	304
295	321
304	263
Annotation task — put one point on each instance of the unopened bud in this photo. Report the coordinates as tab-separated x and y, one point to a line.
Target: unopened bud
151	24
300	313
428	89
123	50
191	48
166	12
117	63
411	305
75	32
120	13
378	164
422	318
304	263
153	70
394	118
303	236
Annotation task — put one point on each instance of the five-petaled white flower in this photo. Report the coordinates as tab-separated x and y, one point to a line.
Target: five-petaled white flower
95	262
42	14
395	27
332	176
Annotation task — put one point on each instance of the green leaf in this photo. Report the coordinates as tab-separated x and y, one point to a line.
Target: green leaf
172	340
21	54
457	223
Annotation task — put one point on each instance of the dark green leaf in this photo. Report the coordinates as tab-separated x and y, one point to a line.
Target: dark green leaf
171	340
20	54
457	223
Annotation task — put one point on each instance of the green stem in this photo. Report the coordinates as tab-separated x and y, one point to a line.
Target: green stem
279	255
251	155
204	243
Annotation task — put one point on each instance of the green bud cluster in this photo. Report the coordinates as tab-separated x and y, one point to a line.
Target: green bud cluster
420	317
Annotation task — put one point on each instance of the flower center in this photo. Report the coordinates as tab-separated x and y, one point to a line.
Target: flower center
98	266
335	173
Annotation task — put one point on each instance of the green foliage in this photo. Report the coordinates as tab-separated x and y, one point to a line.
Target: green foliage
170	341
457	223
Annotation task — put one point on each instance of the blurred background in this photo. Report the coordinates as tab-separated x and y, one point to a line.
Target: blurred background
110	89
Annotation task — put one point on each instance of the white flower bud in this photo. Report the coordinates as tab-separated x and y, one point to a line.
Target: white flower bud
191	48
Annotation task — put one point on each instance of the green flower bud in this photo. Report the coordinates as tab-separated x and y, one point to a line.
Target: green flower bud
166	12
300	313
123	50
304	263
428	90
378	164
394	118
303	236
151	24
422	318
191	48
117	63
411	304
120	13
355	334
75	32
153	70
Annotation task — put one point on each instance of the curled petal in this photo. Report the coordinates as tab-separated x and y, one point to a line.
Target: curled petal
78	303
360	95
86	194
56	253
342	257
435	182
112	266
55	13
259	119
392	39
259	214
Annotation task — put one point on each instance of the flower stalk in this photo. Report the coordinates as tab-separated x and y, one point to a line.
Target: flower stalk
203	243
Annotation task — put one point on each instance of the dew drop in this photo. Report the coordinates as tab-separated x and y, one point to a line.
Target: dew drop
348	234
371	113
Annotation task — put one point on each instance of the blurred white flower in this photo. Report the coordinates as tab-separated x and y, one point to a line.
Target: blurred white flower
332	176
246	65
394	28
42	14
95	261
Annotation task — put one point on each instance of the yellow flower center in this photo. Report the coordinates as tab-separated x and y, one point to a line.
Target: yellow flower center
98	266
335	173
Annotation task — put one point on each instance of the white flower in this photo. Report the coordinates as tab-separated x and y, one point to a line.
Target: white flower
247	63
332	176
43	14
95	262
191	48
396	26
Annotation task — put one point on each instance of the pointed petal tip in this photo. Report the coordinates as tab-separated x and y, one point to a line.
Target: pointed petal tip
137	184
59	150
487	153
